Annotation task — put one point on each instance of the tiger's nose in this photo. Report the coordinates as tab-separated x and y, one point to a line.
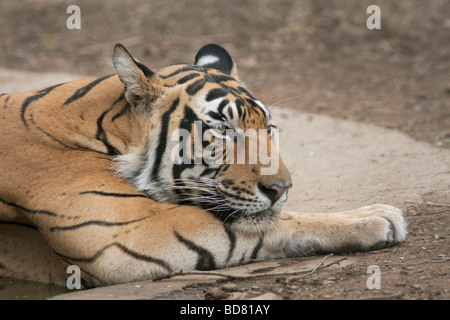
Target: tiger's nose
275	191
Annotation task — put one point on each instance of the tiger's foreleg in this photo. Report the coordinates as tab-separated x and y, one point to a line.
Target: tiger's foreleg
367	228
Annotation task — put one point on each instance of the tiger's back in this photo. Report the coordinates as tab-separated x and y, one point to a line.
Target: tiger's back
51	133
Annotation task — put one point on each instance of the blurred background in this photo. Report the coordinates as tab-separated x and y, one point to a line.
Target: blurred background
314	55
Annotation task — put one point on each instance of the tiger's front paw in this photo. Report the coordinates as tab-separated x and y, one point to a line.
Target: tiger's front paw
386	224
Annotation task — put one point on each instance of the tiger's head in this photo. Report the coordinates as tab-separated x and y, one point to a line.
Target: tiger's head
207	141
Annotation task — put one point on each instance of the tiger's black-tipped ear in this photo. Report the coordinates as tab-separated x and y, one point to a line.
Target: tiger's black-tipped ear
139	81
216	57
129	69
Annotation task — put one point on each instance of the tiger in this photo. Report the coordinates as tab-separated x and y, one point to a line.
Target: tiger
101	173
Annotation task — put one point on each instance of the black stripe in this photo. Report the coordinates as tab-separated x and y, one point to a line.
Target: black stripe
217	116
256	249
230	113
93	222
6	101
215	94
242	89
53	138
124	249
30	99
193	88
80	93
186	122
139	256
88	283
25	225
223	168
163	139
256	107
122	112
147	72
205	259
243	117
173	207
120	98
188	78
87	259
222	78
222	105
2	266
232	238
208	171
117	195
101	135
239	104
235	197
44	212
188	68
104	158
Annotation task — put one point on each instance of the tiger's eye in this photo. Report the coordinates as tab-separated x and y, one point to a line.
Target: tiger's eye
221	128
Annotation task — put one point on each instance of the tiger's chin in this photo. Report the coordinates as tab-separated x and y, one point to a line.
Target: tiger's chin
233	217
255	223
248	222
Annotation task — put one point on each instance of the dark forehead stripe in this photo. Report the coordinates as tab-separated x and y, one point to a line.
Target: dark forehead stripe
242	96
222	77
215	94
247	92
198	85
188	77
240	90
178	71
225	85
195	87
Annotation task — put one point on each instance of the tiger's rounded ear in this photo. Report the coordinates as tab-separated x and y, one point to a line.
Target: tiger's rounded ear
216	57
137	79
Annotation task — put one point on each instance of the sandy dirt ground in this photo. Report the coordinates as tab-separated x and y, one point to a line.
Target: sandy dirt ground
364	117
